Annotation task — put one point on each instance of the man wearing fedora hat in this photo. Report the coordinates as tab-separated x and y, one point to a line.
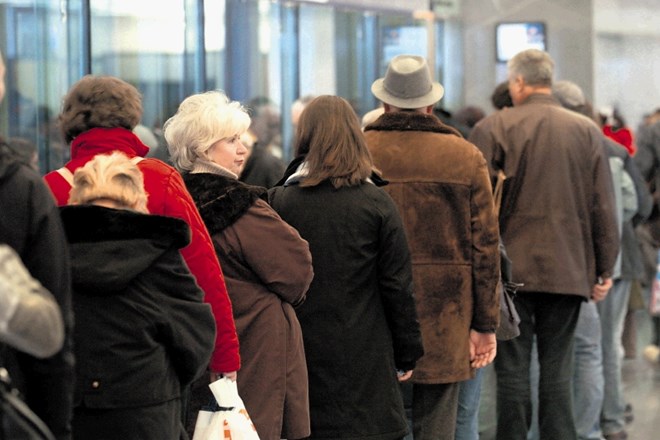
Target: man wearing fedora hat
441	186
558	223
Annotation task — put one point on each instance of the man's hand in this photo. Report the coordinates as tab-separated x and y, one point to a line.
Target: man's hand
599	291
483	348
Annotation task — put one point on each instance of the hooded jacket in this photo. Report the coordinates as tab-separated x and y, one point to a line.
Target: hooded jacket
167	196
142	329
30	224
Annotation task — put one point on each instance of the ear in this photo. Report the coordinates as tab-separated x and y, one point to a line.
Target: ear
429	109
386	107
518	83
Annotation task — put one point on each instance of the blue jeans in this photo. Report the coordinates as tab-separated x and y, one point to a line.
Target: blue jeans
467	418
552	318
612	312
588	382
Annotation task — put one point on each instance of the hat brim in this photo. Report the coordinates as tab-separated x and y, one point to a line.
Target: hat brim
434	95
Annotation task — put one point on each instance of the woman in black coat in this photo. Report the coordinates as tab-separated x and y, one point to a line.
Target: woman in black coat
359	321
142	331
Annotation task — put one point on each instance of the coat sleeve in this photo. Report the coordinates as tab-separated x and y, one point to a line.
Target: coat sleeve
485	250
396	288
644	198
45	253
188	329
30	318
275	252
604	225
203	263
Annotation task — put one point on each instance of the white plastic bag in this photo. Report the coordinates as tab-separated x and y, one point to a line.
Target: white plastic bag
231	421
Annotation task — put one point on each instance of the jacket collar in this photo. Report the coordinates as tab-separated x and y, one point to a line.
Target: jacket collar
293	168
104	140
541	98
221	200
410	121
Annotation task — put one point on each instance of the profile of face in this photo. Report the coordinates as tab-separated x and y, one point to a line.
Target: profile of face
229	153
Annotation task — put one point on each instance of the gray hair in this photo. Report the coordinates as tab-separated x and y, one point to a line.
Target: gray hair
569	94
534	66
201	121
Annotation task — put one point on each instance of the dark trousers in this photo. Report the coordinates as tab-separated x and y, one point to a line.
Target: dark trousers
552	318
434	409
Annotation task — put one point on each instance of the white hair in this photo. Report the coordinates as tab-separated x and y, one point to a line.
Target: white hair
201	121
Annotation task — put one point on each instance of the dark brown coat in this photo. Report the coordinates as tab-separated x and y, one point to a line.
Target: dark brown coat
268	269
557	219
441	186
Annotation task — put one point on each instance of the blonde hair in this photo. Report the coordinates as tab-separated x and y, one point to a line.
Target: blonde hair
114	177
201	121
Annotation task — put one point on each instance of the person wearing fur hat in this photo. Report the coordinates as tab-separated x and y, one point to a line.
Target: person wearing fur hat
97	117
143	332
440	183
268	266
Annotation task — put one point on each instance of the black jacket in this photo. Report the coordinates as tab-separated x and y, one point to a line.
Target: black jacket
142	330
30	223
359	321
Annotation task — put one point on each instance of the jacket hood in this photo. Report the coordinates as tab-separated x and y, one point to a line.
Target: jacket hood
111	247
221	200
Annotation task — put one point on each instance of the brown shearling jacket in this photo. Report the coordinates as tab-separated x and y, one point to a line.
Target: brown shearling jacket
441	186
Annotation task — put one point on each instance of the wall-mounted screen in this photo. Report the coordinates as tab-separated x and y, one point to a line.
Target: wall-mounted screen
512	38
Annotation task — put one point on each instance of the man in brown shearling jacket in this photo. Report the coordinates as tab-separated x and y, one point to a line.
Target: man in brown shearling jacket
558	223
441	186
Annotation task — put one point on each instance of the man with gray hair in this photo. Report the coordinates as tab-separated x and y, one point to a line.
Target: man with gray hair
441	186
558	223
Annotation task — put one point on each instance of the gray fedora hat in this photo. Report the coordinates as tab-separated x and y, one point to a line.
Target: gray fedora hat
407	84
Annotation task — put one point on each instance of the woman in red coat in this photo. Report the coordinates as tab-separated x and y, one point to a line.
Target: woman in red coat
97	117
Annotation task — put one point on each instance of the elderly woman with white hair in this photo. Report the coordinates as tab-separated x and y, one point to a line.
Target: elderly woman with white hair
267	265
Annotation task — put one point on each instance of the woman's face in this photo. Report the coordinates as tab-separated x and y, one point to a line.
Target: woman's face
229	153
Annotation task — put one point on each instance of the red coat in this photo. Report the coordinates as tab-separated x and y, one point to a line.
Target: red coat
167	196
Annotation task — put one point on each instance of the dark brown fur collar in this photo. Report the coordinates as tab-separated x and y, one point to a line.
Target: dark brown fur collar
221	200
410	121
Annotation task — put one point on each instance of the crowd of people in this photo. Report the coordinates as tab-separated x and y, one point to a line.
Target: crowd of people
354	293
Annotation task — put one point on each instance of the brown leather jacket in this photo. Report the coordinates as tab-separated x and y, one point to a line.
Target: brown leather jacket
557	219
